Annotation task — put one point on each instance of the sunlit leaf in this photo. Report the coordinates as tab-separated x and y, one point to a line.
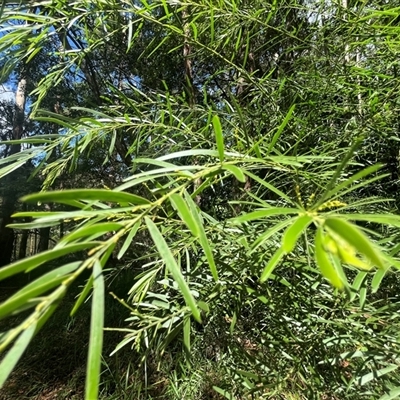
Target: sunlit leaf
41	258
393	394
202	235
294	231
186	335
92	231
236	172
186	214
325	265
219	137
14	354
60	196
96	334
377	279
173	267
351	234
376	374
259	214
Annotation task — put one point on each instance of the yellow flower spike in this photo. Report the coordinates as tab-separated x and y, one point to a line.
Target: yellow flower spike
331	204
310	200
298	194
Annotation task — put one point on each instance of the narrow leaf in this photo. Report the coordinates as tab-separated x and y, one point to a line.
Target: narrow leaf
236	172
186	335
128	240
23	298
172	266
38	259
82	296
14	354
264	213
281	128
263	238
270	187
376	374
324	263
219	137
96	335
351	234
185	213
60	196
203	237
393	394
224	393
294	231
93	231
357	283
377	279
362	297
273	262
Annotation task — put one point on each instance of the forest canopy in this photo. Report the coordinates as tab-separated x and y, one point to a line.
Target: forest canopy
223	173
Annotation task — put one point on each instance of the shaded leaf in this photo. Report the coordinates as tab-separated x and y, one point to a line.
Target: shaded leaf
272	263
128	240
21	299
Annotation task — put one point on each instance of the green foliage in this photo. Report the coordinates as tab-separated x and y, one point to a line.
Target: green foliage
222	154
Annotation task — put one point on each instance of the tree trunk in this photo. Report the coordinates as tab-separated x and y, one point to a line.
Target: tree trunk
11	196
44	236
23	244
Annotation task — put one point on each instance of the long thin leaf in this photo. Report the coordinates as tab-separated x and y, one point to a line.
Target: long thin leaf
128	240
202	235
23	298
294	231
219	137
186	214
325	265
393	394
352	235
14	354
38	259
96	335
59	196
264	213
271	265
376	374
173	267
